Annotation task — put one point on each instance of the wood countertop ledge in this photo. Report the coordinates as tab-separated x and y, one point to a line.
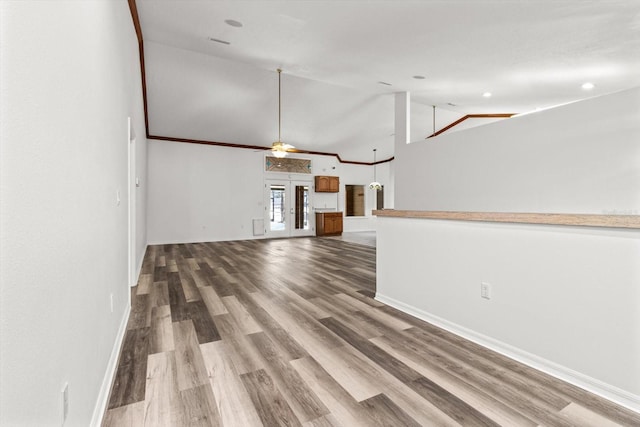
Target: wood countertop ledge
582	220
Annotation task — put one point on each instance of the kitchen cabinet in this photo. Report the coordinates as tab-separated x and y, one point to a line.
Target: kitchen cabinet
327	184
328	223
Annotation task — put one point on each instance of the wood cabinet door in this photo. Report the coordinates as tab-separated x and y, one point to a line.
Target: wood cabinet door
322	183
330	225
337	224
334	184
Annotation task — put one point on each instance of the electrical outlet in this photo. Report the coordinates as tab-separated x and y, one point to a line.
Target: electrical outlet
485	290
65	402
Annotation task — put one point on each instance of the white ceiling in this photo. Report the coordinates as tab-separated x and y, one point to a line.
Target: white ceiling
528	54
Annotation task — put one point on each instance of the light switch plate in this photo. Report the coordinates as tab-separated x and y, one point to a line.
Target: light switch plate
485	290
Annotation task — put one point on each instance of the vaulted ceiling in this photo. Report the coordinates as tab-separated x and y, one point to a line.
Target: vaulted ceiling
335	56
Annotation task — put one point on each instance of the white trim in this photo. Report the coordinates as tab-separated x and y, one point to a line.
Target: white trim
201	240
131	208
595	386
101	402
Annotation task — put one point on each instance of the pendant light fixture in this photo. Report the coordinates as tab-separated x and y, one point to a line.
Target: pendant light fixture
279	148
375	185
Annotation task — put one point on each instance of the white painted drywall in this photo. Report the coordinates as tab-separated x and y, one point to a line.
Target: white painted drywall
69	79
197	96
209	193
201	193
568	296
565	299
577	158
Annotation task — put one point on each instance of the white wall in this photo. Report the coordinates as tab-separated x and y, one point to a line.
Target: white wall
578	158
565	299
198	96
209	193
201	193
70	78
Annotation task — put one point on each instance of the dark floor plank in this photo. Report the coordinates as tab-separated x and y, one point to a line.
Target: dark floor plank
386	413
272	407
140	316
177	300
206	329
159	274
130	378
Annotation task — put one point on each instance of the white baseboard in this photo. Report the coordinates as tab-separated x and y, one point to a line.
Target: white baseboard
101	402
595	386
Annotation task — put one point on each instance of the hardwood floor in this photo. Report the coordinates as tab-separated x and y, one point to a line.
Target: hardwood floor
367	238
285	333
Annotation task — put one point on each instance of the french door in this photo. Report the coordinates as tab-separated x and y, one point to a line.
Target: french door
288	208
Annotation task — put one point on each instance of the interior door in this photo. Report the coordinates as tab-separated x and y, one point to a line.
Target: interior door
288	208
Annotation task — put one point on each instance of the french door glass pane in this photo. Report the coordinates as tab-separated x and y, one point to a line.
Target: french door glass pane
277	208
302	207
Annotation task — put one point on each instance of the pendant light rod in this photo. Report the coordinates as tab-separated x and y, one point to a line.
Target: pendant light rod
279	148
434	119
375	185
279	103
374	164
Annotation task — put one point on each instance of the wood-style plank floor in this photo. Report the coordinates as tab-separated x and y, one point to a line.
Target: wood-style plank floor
286	333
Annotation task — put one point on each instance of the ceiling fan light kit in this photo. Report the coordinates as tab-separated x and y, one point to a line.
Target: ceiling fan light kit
279	149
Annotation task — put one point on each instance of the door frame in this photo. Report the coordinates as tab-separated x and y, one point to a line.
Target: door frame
289	184
311	230
131	184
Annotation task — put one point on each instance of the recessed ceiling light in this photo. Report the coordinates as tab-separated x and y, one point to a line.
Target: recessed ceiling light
219	41
233	23
419	77
385	83
588	86
487	94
